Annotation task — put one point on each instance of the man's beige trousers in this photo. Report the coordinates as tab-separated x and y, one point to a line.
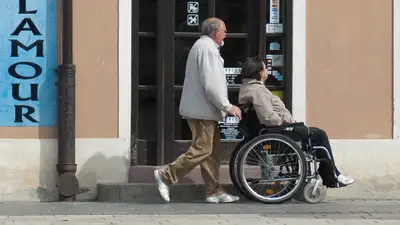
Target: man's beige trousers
205	151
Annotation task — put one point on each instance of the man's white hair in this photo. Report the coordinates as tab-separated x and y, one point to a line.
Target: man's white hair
209	26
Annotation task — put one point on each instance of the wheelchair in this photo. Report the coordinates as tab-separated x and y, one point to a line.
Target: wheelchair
283	167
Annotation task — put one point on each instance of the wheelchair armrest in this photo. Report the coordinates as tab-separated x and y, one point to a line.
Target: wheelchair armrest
285	125
280	128
297	124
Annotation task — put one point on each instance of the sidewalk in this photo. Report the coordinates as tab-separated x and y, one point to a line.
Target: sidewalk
344	212
245	219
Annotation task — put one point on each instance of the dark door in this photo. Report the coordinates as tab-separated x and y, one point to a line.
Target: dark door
164	33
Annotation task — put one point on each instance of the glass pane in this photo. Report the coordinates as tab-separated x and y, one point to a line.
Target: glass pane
274	11
147	60
275	61
274	45
181	128
182	48
233	13
190	14
147	115
147	15
233	96
233	53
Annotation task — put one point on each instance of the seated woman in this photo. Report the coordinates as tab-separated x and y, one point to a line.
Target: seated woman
271	111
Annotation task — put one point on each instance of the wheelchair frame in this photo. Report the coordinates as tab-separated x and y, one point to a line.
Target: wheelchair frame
308	191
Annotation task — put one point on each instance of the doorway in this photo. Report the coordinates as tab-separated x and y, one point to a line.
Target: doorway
163	32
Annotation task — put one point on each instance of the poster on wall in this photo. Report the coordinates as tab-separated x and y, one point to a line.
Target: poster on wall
28	59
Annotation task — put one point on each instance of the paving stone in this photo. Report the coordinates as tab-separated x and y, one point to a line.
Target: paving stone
345	212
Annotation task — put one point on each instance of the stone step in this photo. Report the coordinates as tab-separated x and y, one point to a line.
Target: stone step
148	193
145	175
142	187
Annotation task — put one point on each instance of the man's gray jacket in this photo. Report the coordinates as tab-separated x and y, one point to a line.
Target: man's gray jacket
205	91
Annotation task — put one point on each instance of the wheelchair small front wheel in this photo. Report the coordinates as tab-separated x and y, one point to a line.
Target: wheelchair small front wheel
320	194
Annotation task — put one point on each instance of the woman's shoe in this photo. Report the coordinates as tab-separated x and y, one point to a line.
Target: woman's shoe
346	180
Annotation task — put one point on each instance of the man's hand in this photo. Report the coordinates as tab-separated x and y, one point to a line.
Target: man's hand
235	111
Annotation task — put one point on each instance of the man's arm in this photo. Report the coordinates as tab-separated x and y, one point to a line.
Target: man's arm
264	110
209	67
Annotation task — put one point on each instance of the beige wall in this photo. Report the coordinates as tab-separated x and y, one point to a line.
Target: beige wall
349	67
96	58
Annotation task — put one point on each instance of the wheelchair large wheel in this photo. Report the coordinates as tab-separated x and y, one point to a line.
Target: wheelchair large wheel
234	168
266	149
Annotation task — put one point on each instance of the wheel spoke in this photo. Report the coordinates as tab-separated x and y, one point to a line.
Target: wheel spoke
276	165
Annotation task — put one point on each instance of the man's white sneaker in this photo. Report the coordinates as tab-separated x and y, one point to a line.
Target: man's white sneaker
223	198
162	187
346	180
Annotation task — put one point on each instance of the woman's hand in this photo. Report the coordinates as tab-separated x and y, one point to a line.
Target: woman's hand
288	120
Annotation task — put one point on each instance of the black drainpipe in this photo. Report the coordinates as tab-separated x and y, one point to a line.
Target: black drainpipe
67	183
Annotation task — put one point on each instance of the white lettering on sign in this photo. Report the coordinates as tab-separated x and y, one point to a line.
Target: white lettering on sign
231	120
232	70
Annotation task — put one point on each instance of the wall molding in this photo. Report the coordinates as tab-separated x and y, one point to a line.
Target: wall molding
299	98
124	68
396	69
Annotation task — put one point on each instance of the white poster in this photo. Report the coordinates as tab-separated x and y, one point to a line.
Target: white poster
274	11
274	28
231	73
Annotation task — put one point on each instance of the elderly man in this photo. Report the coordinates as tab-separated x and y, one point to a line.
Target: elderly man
204	102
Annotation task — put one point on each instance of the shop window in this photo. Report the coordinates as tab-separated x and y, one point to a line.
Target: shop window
233	13
233	53
190	14
147	121
182	48
275	52
275	13
147	61
147	15
275	61
182	130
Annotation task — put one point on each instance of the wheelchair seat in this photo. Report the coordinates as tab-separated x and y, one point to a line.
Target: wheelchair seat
251	127
287	169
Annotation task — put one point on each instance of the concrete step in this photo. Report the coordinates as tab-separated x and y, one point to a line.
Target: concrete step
142	187
145	175
148	193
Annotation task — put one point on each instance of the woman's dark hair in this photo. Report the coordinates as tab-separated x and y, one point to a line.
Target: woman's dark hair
251	68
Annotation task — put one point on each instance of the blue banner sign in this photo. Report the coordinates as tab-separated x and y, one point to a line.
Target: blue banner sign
28	58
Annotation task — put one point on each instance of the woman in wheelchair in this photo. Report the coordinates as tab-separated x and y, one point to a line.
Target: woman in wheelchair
271	111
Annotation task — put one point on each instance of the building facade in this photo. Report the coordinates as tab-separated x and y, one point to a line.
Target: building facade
333	62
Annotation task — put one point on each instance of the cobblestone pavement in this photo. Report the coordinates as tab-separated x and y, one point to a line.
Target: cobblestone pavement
344	212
